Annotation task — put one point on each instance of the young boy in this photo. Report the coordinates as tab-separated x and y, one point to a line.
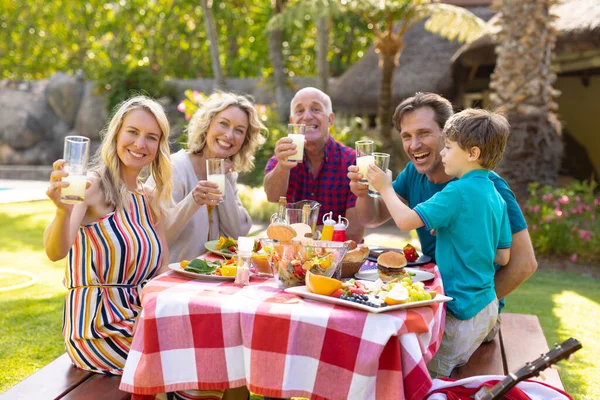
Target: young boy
472	227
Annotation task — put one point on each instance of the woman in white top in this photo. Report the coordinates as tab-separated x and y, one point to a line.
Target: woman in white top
225	126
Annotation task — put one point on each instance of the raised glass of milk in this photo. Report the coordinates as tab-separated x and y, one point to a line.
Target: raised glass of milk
76	156
215	172
296	133
364	158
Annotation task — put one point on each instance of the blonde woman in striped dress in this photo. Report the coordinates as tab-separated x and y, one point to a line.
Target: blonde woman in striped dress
114	240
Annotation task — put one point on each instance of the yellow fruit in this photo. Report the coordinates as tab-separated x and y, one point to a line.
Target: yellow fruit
184	264
321	284
398	295
228	269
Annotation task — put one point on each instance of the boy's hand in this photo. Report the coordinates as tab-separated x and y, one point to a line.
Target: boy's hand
358	189
378	178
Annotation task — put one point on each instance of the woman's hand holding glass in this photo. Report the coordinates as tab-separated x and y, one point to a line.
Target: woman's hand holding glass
57	184
207	193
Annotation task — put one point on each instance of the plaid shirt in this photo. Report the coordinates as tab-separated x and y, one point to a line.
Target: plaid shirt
331	187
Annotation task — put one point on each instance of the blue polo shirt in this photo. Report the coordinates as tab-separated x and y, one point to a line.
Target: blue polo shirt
416	188
472	223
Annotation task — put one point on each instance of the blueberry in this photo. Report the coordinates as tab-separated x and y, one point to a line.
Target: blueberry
384	304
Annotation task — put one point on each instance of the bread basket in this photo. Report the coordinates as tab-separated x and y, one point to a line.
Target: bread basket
353	260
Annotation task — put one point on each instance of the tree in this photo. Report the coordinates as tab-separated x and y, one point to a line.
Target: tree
276	58
322	51
522	84
211	32
390	20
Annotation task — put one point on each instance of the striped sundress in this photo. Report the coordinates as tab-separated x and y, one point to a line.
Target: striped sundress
106	267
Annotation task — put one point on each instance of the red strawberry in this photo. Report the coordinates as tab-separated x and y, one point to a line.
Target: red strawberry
338	293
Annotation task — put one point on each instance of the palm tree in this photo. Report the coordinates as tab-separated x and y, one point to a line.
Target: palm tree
211	33
390	20
522	84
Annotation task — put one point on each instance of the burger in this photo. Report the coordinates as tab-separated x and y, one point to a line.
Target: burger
391	266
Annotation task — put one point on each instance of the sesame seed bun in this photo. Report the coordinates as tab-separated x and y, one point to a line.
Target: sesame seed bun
391	265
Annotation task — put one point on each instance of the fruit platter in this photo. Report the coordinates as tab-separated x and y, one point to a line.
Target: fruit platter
374	297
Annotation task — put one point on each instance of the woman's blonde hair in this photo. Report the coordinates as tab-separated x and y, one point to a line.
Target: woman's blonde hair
197	129
107	164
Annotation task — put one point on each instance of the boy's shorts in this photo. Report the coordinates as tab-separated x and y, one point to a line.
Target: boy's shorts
461	339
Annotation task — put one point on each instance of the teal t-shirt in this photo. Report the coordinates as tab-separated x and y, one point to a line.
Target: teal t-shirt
416	188
472	223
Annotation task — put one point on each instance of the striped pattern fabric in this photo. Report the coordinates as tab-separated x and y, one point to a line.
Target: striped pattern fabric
106	267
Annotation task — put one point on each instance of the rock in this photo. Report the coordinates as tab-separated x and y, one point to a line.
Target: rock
92	115
64	94
26	119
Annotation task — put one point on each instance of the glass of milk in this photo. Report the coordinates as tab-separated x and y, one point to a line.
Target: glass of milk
296	133
76	156
364	158
215	172
382	160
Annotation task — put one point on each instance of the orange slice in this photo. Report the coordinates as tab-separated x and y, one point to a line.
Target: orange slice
321	284
398	295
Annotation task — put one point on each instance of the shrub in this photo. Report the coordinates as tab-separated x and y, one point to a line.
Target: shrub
255	201
124	80
564	221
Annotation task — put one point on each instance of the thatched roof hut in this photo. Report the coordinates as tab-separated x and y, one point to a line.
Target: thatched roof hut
578	24
424	66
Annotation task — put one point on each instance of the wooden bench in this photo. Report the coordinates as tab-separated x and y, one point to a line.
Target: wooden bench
61	380
520	340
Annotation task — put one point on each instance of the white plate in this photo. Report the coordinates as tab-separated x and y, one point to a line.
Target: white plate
373	274
177	268
302	291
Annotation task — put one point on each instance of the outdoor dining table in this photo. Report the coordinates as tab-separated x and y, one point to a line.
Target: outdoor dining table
201	334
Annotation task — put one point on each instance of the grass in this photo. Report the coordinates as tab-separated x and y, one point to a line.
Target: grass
567	304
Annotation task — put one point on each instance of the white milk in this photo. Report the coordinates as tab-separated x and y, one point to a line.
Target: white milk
219	179
75	192
298	140
363	165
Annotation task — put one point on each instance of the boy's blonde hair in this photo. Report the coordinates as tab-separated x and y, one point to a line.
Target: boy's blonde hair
475	127
197	129
107	164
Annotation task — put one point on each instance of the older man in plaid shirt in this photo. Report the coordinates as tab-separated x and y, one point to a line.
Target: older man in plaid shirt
321	176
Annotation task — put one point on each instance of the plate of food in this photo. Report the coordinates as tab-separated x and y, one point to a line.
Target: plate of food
375	297
226	247
219	270
393	265
413	257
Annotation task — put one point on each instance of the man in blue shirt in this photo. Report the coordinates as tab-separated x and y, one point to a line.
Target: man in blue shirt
420	120
472	226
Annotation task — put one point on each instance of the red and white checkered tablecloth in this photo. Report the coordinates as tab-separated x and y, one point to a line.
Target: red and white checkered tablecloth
207	335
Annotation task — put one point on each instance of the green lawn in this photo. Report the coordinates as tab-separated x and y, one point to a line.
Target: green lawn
567	304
